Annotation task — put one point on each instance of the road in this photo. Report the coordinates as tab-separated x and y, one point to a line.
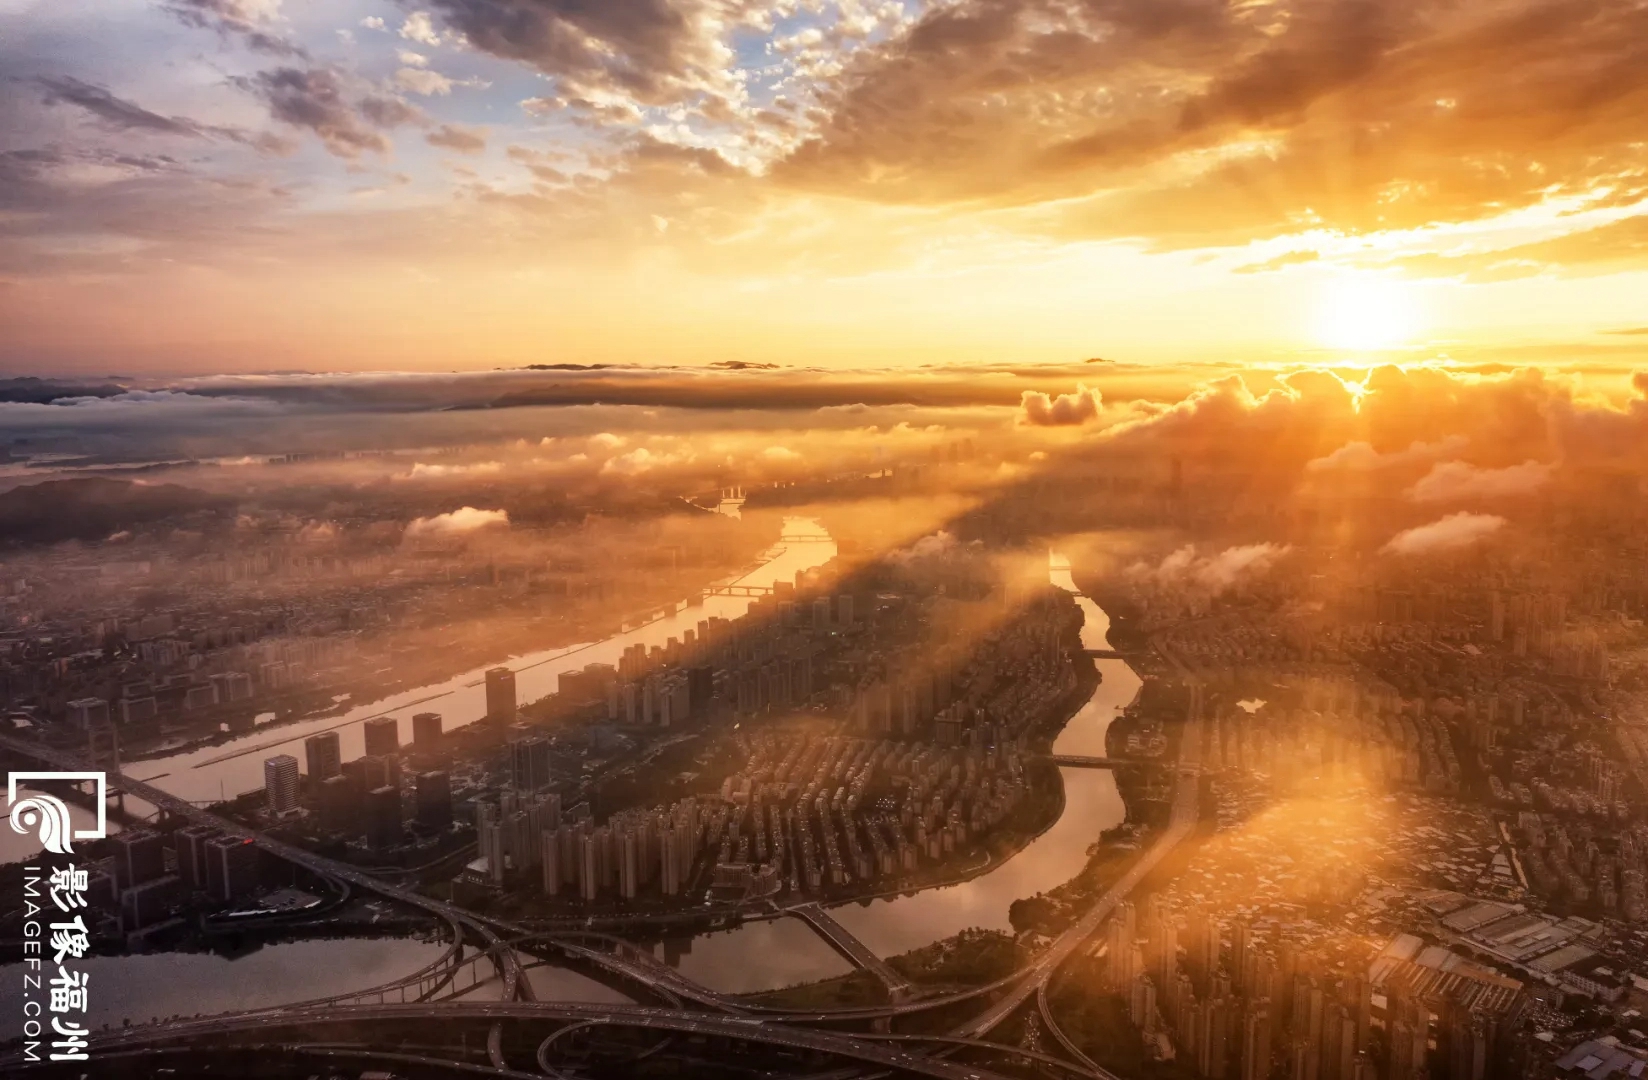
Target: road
853	949
353	1019
1180	824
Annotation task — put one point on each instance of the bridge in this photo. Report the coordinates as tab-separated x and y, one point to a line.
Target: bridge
1104	654
1083	761
856	952
739	590
771	1025
1180	825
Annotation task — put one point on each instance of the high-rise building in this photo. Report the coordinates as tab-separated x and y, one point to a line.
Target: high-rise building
426	730
374	772
146	904
1339	1044
1256	1041
231	867
339	803
280	783
191	854
383	817
1142	1004
549	855
500	695
89	712
434	800
324	758
383	736
1409	1023
529	756
140	856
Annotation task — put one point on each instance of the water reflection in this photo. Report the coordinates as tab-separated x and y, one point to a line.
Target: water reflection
758	956
146	987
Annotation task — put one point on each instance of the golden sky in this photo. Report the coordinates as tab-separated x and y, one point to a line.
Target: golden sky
232	185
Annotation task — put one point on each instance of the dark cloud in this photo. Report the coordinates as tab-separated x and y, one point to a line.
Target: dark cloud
319	100
389	112
455	137
235	19
117	112
645	47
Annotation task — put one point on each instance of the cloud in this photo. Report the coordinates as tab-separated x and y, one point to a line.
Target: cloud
463	520
606	440
1077	407
780	455
453	137
114	111
421	471
1193	123
1458	481
1211	575
641	460
1280	262
623	51
928	547
419	28
1447	534
372	22
423	81
315	99
1362	457
251	21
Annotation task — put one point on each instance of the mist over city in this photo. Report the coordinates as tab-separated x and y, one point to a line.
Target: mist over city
778	539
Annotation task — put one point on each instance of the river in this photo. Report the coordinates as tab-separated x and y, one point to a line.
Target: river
754	957
231	768
759	956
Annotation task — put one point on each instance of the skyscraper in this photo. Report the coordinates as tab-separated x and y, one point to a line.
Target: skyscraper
426	729
383	817
280	783
191	854
338	799
140	856
500	695
434	798
231	867
383	736
324	758
528	762
1256	1041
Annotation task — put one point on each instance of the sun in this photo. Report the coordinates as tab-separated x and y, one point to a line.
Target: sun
1366	313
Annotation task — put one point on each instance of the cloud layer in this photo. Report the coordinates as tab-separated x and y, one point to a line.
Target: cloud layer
1451	533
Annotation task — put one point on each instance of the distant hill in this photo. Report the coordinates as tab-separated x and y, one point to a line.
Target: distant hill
90	508
34	391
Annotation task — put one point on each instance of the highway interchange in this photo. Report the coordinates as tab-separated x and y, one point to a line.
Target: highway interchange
718	1015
